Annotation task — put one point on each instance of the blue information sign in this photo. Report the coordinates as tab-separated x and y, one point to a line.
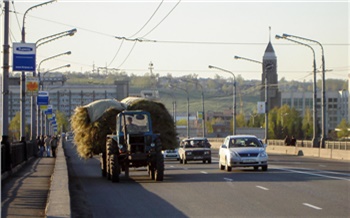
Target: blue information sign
24	56
42	98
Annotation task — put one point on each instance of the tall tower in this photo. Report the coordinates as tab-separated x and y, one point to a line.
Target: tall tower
269	69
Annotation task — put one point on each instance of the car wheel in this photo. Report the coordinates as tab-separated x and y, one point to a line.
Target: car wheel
227	167
209	161
256	167
264	168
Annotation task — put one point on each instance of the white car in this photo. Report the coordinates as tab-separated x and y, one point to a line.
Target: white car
171	154
243	151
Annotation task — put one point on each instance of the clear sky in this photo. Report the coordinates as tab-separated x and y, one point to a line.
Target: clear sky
189	35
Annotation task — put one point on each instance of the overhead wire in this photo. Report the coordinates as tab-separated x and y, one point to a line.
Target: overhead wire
137	39
121	44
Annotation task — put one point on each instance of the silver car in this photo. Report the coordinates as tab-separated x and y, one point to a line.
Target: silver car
243	151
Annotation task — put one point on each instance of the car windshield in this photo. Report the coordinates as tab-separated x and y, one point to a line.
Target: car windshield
244	142
196	143
136	123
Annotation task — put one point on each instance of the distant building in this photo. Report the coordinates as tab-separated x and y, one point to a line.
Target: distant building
66	98
337	106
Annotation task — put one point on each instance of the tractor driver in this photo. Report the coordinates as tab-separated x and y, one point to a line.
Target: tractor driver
131	127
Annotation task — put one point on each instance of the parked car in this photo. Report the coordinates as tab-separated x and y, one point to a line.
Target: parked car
195	149
171	154
243	151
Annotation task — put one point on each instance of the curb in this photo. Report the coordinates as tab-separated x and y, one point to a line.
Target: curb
58	204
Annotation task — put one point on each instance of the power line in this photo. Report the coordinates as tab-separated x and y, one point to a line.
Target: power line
138	39
162	19
121	44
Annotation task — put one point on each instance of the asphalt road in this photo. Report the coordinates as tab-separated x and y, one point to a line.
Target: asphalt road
292	187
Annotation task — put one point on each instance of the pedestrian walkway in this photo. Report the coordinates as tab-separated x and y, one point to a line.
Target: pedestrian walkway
25	193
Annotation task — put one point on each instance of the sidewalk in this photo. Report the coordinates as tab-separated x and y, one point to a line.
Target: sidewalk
39	189
25	192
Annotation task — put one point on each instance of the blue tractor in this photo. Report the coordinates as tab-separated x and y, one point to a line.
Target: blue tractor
134	145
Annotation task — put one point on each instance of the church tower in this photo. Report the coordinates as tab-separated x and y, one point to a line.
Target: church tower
269	69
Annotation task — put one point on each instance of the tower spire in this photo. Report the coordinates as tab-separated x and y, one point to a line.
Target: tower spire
269	33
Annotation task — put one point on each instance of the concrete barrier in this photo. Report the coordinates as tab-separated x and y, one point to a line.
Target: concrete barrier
58	204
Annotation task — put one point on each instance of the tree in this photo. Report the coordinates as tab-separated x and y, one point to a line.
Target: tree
62	121
15	126
307	124
343	129
240	121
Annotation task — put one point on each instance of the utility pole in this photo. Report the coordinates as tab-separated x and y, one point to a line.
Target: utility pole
5	87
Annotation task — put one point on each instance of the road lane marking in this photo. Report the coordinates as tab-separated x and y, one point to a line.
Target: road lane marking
204	172
263	188
312	206
315	174
228	179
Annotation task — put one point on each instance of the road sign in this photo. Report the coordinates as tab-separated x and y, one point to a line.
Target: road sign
261	107
43	98
24	56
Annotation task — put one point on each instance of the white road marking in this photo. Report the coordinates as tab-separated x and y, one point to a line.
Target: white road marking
228	179
204	172
316	174
263	188
312	206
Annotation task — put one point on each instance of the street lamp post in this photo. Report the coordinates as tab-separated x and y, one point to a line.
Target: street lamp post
324	127
44	119
234	96
202	96
22	81
314	139
37	112
266	92
188	109
5	86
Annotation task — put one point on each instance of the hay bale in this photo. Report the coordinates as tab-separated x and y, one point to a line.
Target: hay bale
161	119
90	136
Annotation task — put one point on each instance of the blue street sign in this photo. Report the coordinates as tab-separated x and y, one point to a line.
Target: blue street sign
24	56
42	98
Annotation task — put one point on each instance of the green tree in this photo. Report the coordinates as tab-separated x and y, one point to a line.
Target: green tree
15	126
307	124
240	121
343	129
62	122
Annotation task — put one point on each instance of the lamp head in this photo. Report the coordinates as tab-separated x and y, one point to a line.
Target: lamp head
237	57
72	32
68	52
210	67
278	37
286	35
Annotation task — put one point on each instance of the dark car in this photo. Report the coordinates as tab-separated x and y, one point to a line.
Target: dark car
195	149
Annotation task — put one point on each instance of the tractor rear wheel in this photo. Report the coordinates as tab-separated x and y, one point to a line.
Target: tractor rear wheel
159	172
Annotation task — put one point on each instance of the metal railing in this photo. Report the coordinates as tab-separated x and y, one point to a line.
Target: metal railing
16	154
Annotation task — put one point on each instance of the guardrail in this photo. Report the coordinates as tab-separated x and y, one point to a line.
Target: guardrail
16	153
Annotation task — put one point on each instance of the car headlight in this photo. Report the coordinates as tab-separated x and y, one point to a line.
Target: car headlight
206	152
263	154
153	144
189	153
234	154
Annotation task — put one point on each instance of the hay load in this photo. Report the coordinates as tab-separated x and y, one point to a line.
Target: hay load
91	123
161	119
